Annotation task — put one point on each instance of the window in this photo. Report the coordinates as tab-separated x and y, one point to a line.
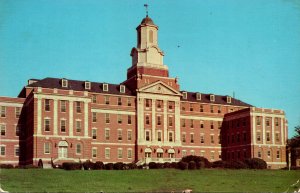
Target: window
211	125
258	120
219	109
63	106
211	108
258	136
94	152
94	133
129	153
106	99
201	124
129	135
78	126
105	87
212	139
47	104
129	119
147	135
3	111
78	107
278	154
159	104
192	152
192	137
228	99
201	108
170	136
183	153
18	112
269	153
219	139
191	107
212	98
17	130
277	137
183	106
219	124
107	153
212	155
107	120
183	137
47	124
122	89
17	151
158	120
268	136
3	130
259	154
120	134
198	96
87	85
47	148
147	120
2	150
267	122
192	123
62	125
183	123
94	117
120	119
107	134
184	95
276	122
94	98
120	153
78	148
202	138
119	101
202	153
148	103
158	135
170	121
64	83
171	105
129	102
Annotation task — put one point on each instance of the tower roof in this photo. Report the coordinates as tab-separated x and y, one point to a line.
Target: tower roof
147	20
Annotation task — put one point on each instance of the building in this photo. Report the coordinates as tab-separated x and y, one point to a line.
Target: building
145	118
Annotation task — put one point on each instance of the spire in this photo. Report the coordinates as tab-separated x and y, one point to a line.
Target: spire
146	6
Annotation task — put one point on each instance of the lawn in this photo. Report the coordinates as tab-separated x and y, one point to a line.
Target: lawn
167	180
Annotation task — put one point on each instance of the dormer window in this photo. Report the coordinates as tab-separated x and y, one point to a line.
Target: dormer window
105	87
228	99
64	83
198	96
122	89
212	98
184	95
87	85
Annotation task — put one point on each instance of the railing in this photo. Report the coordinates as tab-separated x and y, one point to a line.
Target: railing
160	160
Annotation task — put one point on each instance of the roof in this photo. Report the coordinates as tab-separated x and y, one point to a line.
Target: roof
77	85
147	20
219	99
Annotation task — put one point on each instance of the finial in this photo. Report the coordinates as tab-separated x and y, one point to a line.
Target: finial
146	6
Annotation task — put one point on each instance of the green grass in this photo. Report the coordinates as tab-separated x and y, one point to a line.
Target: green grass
208	180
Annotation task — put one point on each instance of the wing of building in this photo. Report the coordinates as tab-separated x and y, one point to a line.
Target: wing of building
146	118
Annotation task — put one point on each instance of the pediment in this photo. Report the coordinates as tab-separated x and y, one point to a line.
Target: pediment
159	87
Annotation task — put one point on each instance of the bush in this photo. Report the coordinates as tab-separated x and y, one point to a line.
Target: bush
98	166
192	165
71	166
159	165
219	164
167	165
256	163
152	165
109	166
118	166
88	165
132	166
173	165
182	165
40	163
6	166
197	160
236	165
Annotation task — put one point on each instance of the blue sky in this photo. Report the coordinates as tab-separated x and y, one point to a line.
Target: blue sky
248	47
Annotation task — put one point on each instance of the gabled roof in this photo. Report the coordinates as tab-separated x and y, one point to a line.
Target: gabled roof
219	99
77	85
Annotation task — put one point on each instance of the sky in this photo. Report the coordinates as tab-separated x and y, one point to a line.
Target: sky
247	47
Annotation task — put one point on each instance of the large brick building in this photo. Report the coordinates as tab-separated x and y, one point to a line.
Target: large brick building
145	118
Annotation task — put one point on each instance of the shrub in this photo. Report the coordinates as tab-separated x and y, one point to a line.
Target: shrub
132	166
88	165
159	165
98	166
256	163
152	165
182	165
109	166
71	166
118	166
173	165
219	164
6	166
236	165
192	165
167	165
197	160
40	163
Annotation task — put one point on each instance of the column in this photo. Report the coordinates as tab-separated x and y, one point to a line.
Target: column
86	119
54	116
140	119
165	121
273	130
177	122
254	129
263	129
281	131
71	118
39	115
153	119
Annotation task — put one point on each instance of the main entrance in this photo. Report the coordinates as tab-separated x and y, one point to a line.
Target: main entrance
62	149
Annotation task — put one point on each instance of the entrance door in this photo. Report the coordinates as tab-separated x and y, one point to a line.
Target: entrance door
62	152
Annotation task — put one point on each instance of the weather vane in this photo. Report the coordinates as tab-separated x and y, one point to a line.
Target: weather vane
146	6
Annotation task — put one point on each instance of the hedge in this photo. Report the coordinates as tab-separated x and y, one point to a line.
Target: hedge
71	166
256	163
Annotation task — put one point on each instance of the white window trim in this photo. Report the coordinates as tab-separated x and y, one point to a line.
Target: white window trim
198	96
228	99
64	83
87	85
121	153
184	95
77	149
122	89
45	148
129	149
212	98
105	87
4	150
96	149
107	149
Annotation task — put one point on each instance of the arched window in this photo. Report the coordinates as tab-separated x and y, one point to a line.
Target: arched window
151	36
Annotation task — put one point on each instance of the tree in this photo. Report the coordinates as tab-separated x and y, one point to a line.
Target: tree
295	141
